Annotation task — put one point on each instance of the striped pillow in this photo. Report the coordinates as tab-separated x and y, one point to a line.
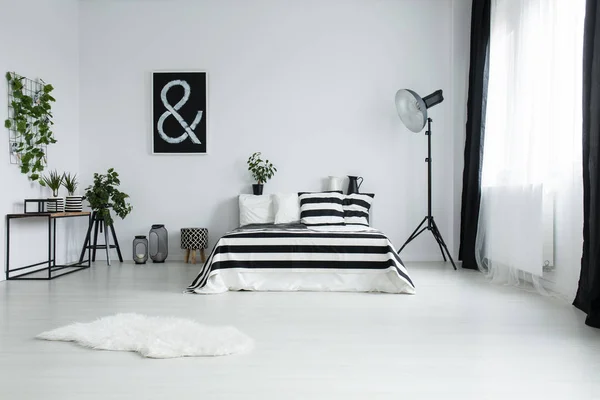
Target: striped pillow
321	208
356	208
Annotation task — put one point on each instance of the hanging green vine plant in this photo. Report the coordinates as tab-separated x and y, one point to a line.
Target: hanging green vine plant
31	121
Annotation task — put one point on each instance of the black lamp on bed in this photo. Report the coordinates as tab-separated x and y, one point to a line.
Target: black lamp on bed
412	110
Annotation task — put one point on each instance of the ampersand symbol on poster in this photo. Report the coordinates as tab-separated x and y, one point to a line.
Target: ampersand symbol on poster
172	110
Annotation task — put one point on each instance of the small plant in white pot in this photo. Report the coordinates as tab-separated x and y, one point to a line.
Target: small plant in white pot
54	181
74	203
261	171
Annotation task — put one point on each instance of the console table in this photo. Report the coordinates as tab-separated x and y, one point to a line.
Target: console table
53	270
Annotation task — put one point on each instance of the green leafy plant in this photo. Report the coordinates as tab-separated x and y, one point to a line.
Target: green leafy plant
31	121
103	196
53	180
261	170
70	183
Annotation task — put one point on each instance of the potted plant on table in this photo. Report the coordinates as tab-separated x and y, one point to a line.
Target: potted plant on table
104	196
54	181
74	203
261	171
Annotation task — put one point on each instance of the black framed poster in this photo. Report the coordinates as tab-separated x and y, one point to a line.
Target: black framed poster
179	112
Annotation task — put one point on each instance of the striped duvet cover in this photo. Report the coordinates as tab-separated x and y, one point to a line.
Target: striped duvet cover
294	258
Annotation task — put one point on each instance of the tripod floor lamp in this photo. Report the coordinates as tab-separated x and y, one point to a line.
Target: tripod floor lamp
412	110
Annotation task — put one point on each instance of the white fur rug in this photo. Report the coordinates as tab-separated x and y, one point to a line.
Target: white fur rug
154	337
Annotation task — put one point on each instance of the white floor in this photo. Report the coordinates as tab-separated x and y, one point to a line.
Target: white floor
458	338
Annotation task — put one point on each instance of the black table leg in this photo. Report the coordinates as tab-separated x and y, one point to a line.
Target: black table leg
54	243
7	246
49	248
50	263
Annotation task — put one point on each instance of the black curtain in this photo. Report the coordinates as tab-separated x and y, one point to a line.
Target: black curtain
475	133
588	294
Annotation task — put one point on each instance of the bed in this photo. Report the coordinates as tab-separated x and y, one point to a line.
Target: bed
294	257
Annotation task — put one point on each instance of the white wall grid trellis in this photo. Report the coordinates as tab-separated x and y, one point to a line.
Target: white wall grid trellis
33	89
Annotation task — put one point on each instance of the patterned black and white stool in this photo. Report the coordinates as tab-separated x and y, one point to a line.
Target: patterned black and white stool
193	239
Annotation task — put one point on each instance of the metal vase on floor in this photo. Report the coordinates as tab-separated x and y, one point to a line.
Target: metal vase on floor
159	243
140	249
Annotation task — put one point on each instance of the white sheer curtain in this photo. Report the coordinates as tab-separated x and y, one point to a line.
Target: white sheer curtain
532	142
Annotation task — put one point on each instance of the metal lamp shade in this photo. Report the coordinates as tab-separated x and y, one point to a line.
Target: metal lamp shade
411	109
159	243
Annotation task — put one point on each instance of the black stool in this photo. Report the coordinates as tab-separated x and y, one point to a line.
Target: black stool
193	239
99	224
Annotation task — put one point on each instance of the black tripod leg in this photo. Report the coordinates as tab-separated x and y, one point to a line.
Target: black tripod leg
414	234
114	235
440	240
86	242
437	237
413	237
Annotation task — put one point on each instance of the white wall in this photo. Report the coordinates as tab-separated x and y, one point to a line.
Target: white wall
40	40
309	83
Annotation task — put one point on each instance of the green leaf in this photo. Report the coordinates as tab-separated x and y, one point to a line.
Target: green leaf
38	165
21	126
7	124
26	158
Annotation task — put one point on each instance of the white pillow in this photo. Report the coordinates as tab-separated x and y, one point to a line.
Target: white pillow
287	208
256	209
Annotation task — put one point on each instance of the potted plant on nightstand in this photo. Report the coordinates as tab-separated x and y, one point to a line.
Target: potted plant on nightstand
54	181
261	171
73	203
